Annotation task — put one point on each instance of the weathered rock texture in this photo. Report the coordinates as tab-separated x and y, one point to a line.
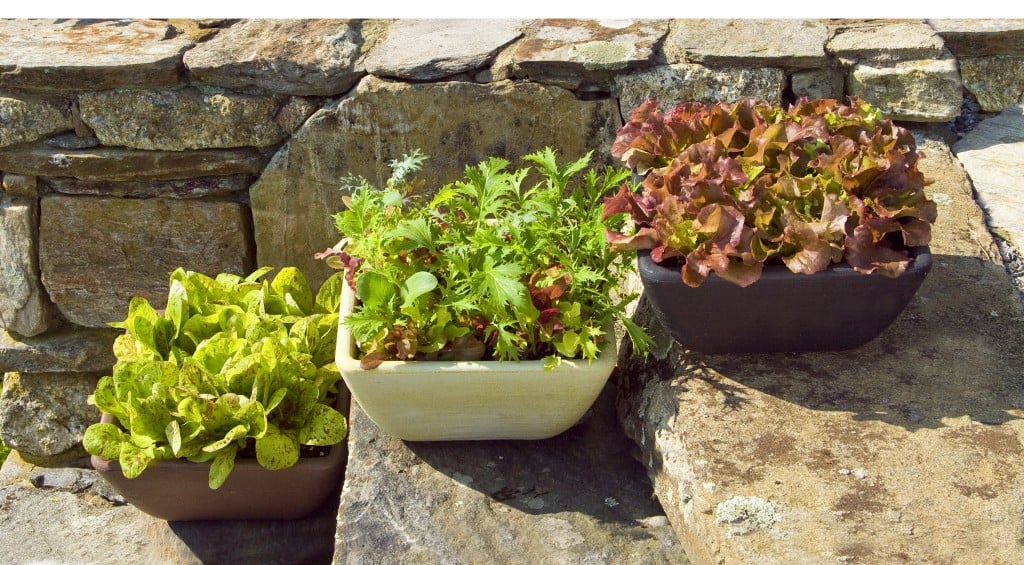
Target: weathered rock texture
434	49
24	305
684	81
749	42
76	54
294	199
26	119
73	516
301	57
97	253
178	120
20	185
581	54
43	415
817	83
112	163
976	37
883	43
576	498
906	449
997	82
927	90
68	349
993	155
199	187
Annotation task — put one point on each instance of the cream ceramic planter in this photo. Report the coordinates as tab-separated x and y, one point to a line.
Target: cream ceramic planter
460	400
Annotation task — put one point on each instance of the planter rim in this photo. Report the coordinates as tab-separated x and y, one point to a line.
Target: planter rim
347	361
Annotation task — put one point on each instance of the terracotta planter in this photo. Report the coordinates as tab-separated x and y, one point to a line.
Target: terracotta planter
459	400
835	309
179	489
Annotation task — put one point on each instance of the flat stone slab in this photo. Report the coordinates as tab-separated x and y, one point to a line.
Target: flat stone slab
301	57
579	497
993	155
880	43
66	516
68	349
975	37
89	54
768	43
581	53
907	449
117	163
433	49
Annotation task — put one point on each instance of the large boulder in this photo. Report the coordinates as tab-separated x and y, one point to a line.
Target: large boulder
455	123
96	253
300	57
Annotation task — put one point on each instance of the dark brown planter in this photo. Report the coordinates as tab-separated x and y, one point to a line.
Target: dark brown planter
179	489
832	310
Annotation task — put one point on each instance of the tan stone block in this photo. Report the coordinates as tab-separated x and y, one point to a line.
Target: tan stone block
96	253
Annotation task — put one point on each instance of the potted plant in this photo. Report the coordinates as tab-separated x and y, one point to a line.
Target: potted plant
741	202
224	405
485	310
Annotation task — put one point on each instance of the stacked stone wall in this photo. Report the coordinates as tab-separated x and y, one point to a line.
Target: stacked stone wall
129	148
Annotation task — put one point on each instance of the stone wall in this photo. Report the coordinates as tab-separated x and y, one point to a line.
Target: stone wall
128	148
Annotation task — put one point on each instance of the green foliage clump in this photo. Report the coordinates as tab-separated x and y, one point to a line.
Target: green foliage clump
729	187
489	267
229	362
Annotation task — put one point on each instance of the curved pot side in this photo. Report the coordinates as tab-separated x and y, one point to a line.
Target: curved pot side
832	310
179	489
471	400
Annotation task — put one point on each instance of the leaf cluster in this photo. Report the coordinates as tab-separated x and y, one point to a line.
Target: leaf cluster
729	187
230	361
502	264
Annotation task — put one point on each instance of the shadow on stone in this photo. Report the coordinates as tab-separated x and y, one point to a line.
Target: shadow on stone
305	541
948	355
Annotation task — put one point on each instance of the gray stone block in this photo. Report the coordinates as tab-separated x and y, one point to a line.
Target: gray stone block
683	82
794	43
43	415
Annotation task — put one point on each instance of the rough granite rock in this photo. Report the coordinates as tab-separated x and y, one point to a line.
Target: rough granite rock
794	43
579	497
96	253
181	188
178	120
43	415
300	57
997	82
818	83
581	54
25	118
456	123
115	163
993	155
55	521
882	43
434	49
916	91
78	350
24	306
979	37
907	449
20	185
89	54
690	82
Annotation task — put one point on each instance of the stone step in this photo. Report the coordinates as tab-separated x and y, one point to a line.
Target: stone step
908	449
579	497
